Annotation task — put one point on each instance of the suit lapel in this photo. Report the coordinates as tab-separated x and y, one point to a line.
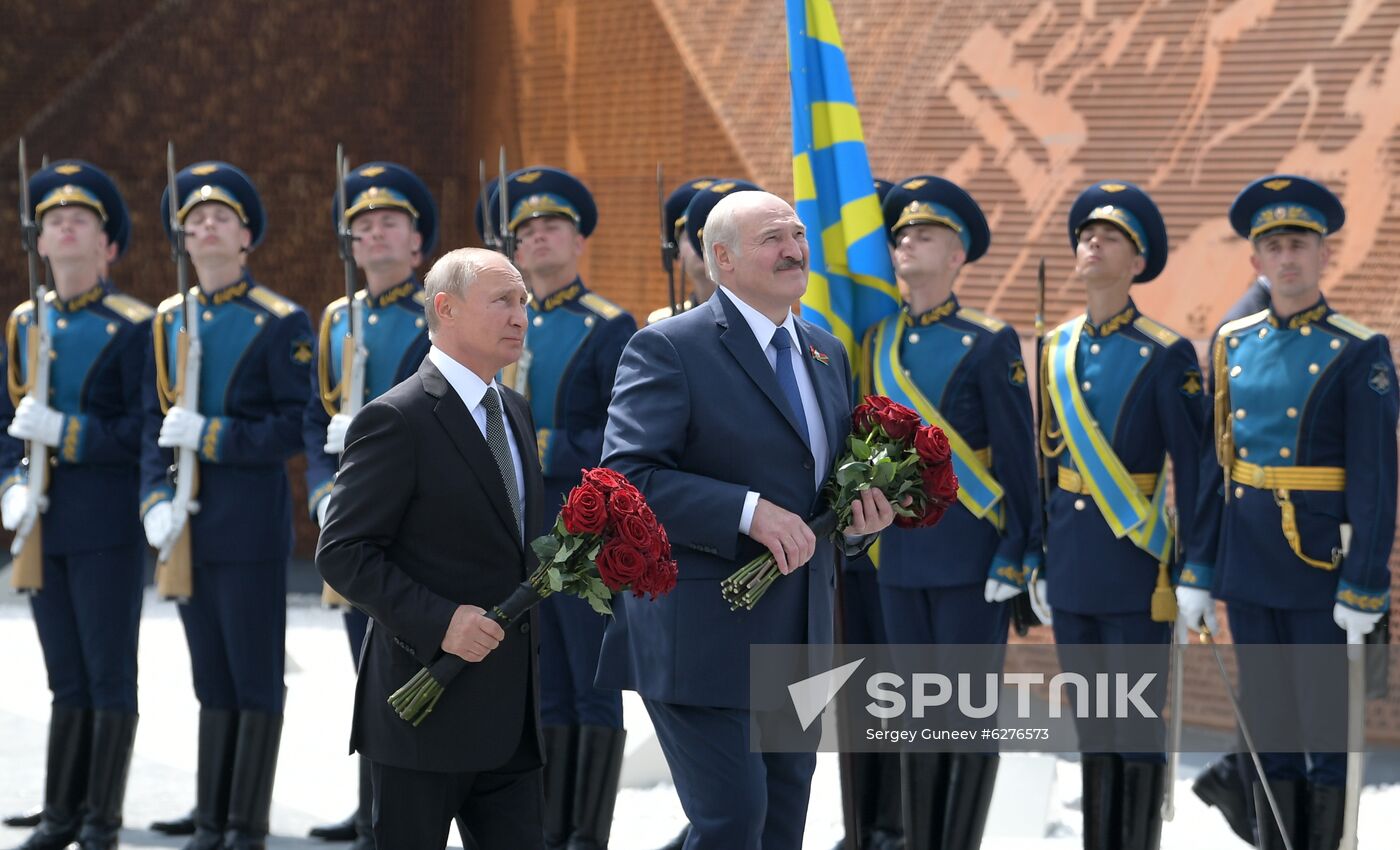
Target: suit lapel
462	430
831	392
739	339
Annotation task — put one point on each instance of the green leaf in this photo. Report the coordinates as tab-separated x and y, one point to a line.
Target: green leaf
599	604
556	580
859	449
545	547
852	473
883	474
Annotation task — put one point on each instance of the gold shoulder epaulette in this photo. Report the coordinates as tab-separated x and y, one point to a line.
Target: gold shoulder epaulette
420	298
170	304
131	309
660	313
272	302
600	305
332	308
26	306
1158	331
1241	324
982	320
1351	326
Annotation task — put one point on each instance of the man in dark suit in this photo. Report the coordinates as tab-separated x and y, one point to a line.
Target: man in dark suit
728	418
428	525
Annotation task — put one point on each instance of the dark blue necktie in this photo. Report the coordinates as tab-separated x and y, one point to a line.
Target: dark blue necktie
787	380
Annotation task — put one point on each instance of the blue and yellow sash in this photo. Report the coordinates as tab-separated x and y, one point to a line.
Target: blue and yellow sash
1124	506
978	491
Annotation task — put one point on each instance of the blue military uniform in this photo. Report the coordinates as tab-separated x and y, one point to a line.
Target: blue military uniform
962	370
394	334
253	389
673	211
88	609
1296	511
573	344
1122	394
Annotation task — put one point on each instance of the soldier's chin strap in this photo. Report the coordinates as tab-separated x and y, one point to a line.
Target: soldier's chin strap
1209	639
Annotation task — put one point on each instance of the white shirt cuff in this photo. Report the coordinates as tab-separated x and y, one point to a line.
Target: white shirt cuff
746	518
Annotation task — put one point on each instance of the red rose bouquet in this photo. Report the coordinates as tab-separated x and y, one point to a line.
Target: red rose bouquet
605	541
890	449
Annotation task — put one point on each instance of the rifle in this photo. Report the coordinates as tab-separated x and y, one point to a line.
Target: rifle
354	355
516	375
174	562
507	236
488	229
27	548
670	251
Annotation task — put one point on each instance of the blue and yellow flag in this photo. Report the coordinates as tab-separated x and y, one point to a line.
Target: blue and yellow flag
851	282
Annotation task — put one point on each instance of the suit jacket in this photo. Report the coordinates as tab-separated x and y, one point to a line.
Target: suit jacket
697	421
419	523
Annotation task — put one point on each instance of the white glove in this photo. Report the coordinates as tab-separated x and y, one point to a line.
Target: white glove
1000	591
1040	600
1195	605
321	510
13	505
36	422
1357	624
335	433
159	523
181	429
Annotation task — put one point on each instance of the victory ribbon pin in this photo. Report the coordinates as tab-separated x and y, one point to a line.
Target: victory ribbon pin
818	356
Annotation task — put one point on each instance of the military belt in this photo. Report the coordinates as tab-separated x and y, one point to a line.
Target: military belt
1282	480
1071	481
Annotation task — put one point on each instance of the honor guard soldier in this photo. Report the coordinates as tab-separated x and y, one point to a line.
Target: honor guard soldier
253	387
1296	511
86	595
696	283
1123	392
572	347
393	224
963	371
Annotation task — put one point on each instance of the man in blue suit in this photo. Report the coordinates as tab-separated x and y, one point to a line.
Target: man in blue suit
729	418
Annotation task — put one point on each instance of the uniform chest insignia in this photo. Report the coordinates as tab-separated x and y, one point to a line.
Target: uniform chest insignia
1017	374
1380	380
1191	384
301	351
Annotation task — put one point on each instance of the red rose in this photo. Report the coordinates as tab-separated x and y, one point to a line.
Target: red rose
932	445
899	421
633	530
659	578
585	510
623	503
620	564
605	479
932	514
940	482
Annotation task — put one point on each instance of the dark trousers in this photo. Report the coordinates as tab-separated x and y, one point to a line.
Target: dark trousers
1116	629
501	809
571	636
1253	624
236	626
735	799
946	615
88	616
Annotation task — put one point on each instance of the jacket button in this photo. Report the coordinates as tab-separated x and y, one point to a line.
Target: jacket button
1079	504
807	464
524	628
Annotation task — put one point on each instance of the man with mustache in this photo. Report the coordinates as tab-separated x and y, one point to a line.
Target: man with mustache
728	418
1297	506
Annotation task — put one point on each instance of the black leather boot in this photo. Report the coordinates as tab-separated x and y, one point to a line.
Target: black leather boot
923	795
1286	793
183	825
254	768
364	820
560	749
970	782
218	732
595	785
113	734
1141	804
886	830
1221	786
1103	777
27	819
343	830
65	779
1326	805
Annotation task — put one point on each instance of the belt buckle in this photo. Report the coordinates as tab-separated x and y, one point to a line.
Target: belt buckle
1258	478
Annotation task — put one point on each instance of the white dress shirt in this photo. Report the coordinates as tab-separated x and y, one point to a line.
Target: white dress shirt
763	330
471	390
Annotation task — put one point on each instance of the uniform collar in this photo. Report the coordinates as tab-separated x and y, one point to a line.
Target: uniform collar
568	294
227	294
937	314
89	297
393	293
1315	313
1114	324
